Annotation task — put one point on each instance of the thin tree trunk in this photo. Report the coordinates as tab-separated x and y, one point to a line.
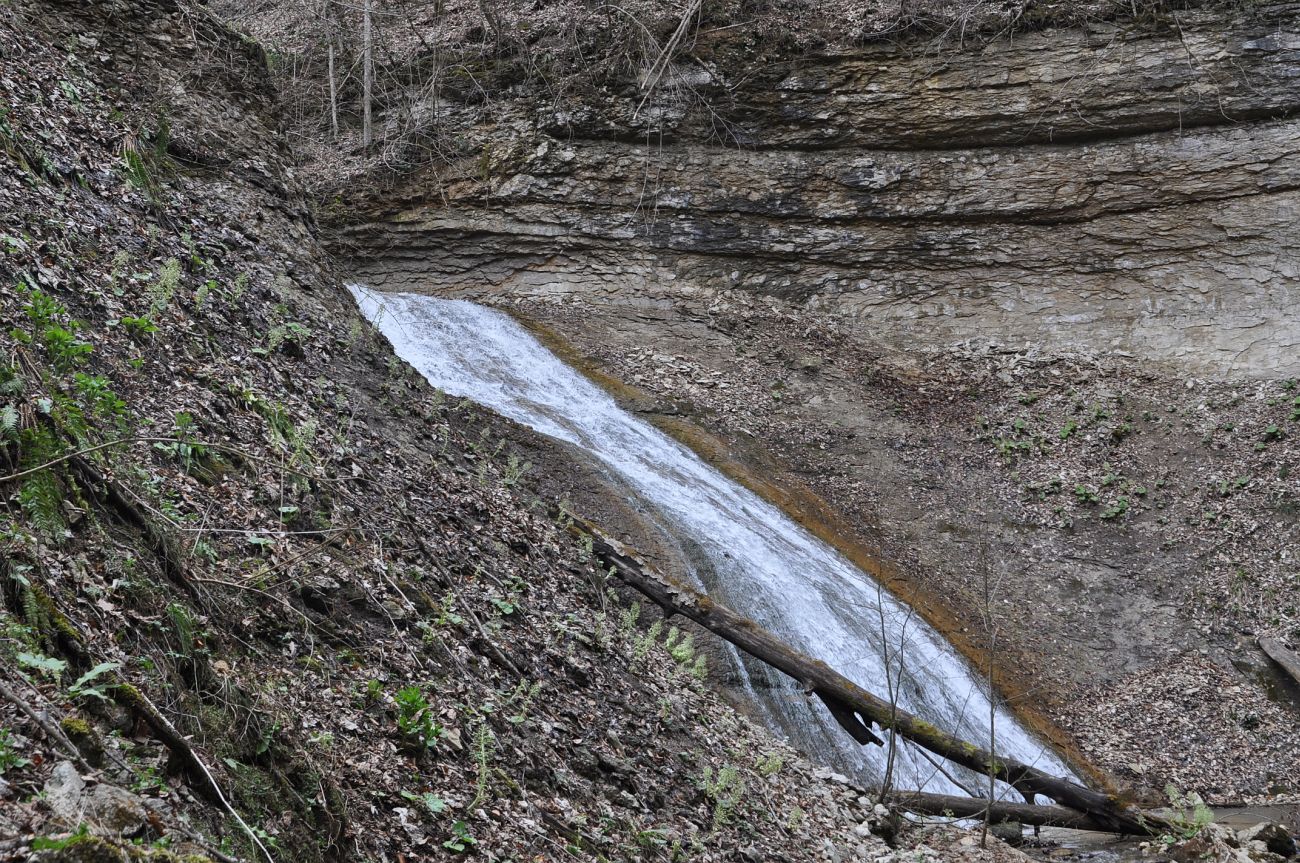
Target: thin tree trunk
334	96
368	75
854	707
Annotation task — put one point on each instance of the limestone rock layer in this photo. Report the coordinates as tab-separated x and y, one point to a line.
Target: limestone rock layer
1116	190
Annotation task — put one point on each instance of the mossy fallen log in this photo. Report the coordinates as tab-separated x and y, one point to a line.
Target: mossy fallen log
855	708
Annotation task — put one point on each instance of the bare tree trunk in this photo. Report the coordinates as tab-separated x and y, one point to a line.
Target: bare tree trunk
334	96
853	707
368	75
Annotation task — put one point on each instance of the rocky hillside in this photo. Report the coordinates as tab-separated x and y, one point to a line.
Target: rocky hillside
266	595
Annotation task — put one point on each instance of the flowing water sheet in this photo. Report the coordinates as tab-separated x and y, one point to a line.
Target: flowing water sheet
747	553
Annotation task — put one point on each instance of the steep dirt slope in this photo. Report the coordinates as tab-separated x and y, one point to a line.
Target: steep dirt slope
252	564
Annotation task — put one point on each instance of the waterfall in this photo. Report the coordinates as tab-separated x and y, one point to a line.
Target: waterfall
747	553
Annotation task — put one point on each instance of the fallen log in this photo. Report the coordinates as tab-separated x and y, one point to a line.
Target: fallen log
1289	661
999	811
854	707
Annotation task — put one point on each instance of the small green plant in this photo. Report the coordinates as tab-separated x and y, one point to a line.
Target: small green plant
96	393
162	290
60	843
1070	428
148	779
630	616
514	470
769	764
684	650
415	718
143	165
184	449
1115	510
46	665
1085	495
374	689
430	801
205	290
289	336
484	744
86	686
447	611
643	644
65	349
138	327
461	839
523	697
725	790
1190	815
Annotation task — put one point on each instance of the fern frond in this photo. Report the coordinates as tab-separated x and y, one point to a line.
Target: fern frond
41	496
9	423
42	501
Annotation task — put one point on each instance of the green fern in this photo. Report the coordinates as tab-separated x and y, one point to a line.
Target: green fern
70	418
34	614
9	423
41	495
43	503
11	381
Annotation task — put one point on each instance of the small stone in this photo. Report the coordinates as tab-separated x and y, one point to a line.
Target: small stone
103	808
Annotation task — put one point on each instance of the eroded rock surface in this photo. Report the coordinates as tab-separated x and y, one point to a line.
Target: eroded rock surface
1106	191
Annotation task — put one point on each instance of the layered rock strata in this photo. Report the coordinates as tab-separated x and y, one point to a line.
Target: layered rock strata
1102	191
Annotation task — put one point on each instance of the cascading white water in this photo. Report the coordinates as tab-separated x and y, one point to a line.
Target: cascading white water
749	555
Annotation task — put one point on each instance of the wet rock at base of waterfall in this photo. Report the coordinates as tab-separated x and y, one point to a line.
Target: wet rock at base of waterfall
831	775
1273	836
102	808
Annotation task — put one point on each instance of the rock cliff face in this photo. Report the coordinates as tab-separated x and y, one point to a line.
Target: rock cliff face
1108	191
